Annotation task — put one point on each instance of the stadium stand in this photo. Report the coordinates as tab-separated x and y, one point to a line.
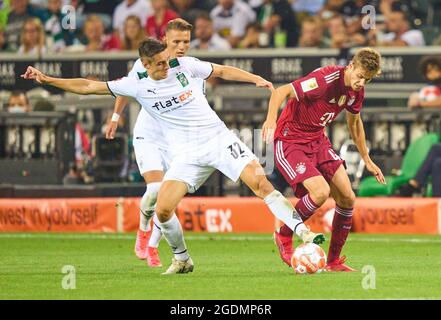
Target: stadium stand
97	30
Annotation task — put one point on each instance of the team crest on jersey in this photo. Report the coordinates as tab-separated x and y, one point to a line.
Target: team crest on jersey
142	75
341	101
309	85
300	168
182	79
351	101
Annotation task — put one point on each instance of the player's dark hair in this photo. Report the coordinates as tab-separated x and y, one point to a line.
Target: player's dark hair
427	61
150	47
179	25
369	60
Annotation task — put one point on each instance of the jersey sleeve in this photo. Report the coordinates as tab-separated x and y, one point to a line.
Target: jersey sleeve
137	70
198	69
312	87
123	87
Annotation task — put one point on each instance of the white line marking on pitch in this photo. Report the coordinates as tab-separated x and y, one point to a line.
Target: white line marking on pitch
207	237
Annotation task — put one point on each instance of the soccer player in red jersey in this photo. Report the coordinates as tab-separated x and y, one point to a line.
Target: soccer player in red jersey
303	152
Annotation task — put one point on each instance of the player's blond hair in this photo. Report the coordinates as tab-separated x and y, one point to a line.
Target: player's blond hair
178	24
369	60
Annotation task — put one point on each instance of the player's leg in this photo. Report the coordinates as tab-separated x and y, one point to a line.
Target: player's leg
150	166
308	184
344	197
181	177
170	194
153	181
153	259
236	160
317	192
279	183
254	177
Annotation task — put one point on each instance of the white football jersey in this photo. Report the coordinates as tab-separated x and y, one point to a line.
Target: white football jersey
146	126
178	102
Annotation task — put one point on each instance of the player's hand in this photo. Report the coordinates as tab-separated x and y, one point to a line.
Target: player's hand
34	74
268	129
111	129
376	172
262	83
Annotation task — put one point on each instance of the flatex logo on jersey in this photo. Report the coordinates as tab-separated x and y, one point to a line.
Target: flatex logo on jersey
174	102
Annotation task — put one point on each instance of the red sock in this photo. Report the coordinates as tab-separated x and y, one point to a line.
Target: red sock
341	225
305	208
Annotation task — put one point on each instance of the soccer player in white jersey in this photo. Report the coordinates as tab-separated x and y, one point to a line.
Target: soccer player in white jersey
199	142
150	149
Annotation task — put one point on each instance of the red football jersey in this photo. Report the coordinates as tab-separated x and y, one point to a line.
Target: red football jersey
321	96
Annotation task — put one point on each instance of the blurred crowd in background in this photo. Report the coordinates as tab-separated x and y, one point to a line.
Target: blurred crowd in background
41	27
55	26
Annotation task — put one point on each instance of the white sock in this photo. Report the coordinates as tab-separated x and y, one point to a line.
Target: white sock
284	210
156	235
172	231
147	205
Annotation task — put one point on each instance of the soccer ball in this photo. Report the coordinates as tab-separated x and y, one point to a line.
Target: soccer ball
308	258
429	93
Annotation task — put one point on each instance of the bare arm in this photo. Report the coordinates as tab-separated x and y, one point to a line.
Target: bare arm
235	74
112	125
436	103
356	129
80	85
278	96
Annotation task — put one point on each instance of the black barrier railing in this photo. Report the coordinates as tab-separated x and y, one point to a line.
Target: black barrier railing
387	147
277	65
36	148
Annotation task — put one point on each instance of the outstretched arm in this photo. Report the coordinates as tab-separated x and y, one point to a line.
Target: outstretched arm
235	74
277	97
80	86
355	125
112	125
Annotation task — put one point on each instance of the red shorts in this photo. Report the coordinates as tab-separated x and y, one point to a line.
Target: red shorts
298	162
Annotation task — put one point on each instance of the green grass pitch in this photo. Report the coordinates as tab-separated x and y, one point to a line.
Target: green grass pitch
227	266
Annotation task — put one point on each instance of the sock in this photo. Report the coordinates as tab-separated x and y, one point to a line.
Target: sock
283	210
172	231
156	235
147	205
341	225
305	207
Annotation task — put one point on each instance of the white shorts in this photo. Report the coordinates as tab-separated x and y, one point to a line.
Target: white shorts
150	152
225	153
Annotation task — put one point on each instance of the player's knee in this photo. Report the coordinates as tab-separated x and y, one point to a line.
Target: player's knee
164	213
347	200
264	187
148	200
320	194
